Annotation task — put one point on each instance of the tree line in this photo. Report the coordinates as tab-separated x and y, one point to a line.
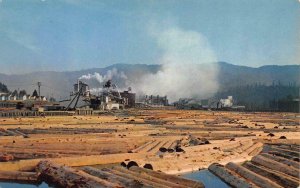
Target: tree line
260	97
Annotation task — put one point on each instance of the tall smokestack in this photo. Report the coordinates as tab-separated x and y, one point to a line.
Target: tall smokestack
77	85
39	88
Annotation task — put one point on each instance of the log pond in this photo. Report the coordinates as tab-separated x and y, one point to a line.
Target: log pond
207	178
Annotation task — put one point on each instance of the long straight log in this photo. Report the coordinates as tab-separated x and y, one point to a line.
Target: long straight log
255	149
288	146
282	160
150	178
281	179
137	178
286	151
68	177
19	176
229	177
29	165
167	177
11	133
276	166
22	134
173	145
113	177
282	155
251	176
142	146
149	146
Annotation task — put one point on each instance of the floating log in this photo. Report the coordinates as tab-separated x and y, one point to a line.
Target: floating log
287	146
131	163
22	134
142	146
276	166
29	165
251	176
229	177
148	166
153	147
167	177
148	177
282	160
67	177
172	147
19	176
11	133
112	177
284	155
281	179
254	149
286	151
128	164
6	157
130	176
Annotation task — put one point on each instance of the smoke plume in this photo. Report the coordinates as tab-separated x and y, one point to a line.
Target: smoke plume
114	73
110	74
188	66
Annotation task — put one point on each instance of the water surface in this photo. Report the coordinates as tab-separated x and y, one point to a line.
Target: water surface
207	178
22	185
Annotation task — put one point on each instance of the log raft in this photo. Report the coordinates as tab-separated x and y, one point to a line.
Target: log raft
229	177
269	169
275	176
116	176
64	176
253	177
167	177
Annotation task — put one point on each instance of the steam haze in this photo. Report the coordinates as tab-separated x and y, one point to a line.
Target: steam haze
188	66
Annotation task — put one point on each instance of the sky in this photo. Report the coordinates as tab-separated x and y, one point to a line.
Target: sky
64	35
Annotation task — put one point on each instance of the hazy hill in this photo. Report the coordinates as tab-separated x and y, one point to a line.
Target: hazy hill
59	84
233	75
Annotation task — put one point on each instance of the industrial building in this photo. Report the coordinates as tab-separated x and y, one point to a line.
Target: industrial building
154	100
129	99
196	104
109	97
81	87
188	103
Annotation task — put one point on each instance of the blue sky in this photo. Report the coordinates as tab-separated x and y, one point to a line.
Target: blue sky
78	34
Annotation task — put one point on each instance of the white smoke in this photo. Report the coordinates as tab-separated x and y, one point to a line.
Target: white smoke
96	90
110	74
188	66
95	76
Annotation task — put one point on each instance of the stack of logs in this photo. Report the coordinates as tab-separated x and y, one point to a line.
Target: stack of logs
275	167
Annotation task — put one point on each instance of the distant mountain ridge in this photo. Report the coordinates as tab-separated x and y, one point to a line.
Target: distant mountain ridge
234	75
59	84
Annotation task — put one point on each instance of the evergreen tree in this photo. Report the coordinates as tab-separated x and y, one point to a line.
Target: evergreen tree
35	93
22	93
3	88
